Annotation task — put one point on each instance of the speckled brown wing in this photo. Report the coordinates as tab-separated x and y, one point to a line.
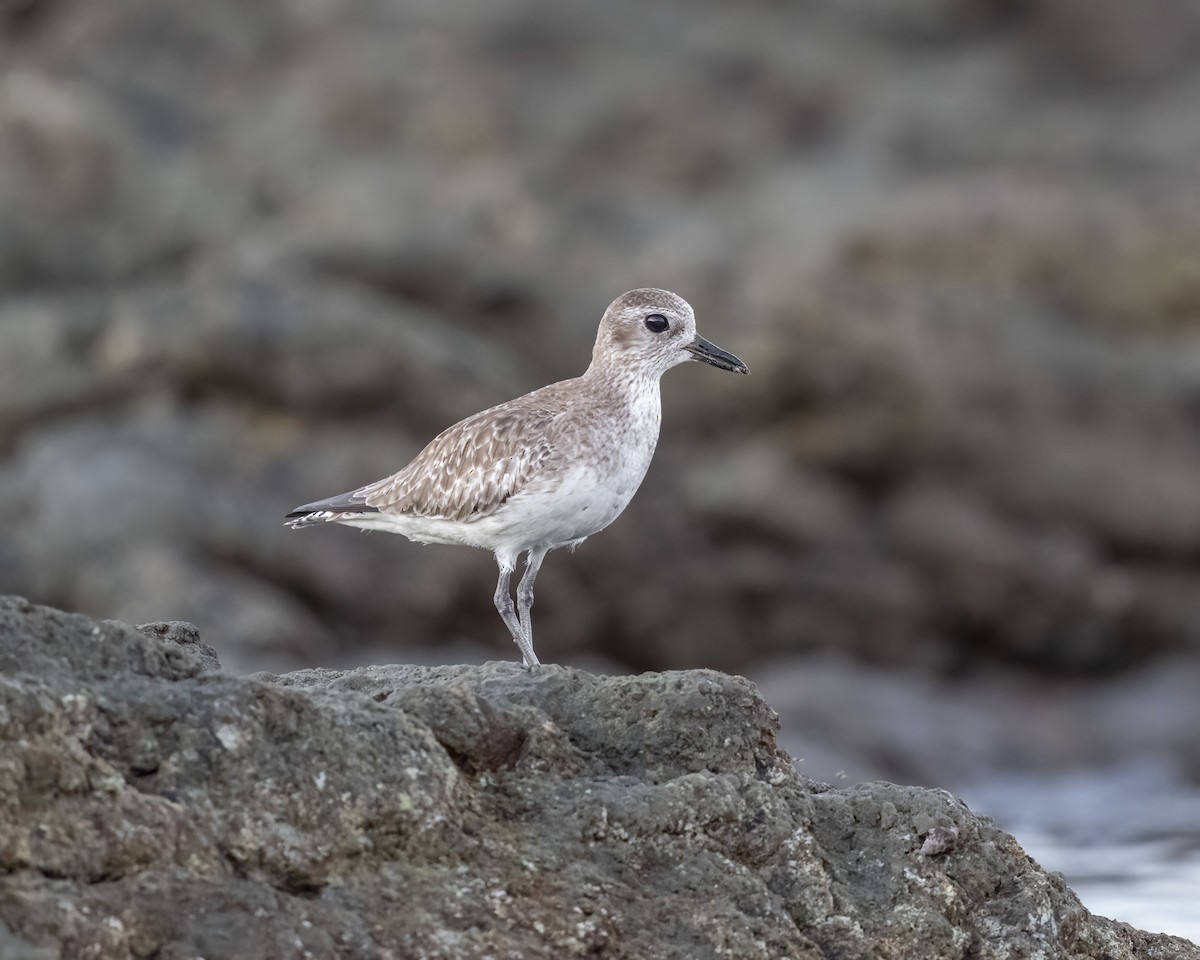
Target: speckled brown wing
472	468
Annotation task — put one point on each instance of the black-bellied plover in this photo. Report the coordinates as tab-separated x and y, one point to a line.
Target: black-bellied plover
548	469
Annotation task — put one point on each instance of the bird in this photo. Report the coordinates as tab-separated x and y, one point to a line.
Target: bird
545	470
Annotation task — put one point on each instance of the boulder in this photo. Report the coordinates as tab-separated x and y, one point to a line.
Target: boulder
154	806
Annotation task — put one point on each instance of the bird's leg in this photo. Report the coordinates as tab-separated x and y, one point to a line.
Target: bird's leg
533	563
508	613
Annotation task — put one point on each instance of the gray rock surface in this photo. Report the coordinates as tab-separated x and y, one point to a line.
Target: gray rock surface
155	807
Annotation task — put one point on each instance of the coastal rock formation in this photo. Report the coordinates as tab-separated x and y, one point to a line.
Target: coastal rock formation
154	806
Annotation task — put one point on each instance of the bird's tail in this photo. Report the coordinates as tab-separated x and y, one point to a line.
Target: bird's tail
326	511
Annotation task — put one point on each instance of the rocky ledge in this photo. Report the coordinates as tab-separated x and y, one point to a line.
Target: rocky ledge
153	806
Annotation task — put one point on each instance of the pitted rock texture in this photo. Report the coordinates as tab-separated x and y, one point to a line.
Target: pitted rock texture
154	807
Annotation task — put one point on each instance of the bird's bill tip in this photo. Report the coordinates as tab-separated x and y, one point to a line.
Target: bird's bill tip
709	352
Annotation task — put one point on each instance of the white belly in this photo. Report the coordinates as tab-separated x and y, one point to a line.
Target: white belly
561	509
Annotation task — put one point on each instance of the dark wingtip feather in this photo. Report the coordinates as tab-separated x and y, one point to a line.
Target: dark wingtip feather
342	503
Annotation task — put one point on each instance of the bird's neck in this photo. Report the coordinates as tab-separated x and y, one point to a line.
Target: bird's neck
631	396
627	382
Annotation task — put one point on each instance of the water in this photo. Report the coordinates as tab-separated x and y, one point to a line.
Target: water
1094	779
1127	839
1149	886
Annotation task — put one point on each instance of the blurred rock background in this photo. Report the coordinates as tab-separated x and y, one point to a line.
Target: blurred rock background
256	254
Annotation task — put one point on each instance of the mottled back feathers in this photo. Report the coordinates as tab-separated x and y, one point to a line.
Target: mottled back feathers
475	466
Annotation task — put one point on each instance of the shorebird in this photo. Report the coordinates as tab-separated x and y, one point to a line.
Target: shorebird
545	470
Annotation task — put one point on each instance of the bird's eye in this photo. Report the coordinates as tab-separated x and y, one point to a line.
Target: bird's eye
656	322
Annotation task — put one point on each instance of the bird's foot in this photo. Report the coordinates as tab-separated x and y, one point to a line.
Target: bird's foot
529	660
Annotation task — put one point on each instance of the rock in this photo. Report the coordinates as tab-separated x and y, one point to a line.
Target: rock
185	635
153	806
1114	45
256	254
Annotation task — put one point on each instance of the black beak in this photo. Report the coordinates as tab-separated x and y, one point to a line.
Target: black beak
702	349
